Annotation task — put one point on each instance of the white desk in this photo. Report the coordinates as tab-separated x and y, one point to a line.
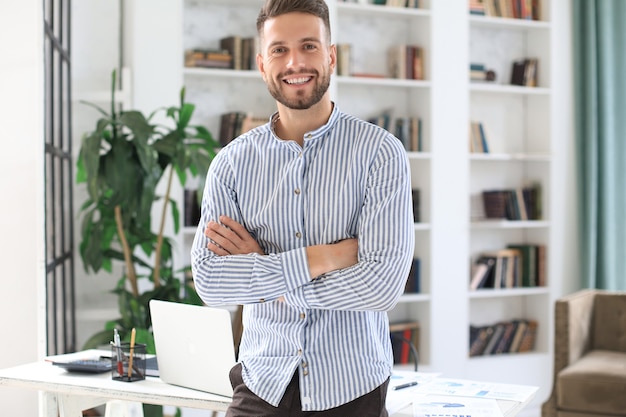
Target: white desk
67	394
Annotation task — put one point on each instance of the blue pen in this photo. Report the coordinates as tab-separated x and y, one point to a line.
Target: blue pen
408	384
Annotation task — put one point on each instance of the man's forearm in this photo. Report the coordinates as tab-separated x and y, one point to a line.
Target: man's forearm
331	257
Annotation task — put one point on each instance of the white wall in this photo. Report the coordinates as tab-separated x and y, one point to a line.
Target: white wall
22	190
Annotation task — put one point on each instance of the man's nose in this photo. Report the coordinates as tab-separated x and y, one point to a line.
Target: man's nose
296	59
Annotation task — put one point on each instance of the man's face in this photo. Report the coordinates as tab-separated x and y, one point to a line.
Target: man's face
296	60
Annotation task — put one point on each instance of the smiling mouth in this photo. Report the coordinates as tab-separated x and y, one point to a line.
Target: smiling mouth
298	81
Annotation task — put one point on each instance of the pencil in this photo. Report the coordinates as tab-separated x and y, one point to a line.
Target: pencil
132	353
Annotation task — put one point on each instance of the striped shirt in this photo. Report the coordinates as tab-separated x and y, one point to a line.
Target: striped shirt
350	179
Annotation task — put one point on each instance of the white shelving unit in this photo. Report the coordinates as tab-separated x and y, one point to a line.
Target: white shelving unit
521	123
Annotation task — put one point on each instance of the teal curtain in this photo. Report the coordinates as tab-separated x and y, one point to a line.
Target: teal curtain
599	28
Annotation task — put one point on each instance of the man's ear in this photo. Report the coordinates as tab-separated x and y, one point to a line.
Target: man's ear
333	57
259	64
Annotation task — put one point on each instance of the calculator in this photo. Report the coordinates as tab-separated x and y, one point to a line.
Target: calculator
93	366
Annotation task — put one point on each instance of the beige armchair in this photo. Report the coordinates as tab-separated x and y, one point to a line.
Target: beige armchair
589	356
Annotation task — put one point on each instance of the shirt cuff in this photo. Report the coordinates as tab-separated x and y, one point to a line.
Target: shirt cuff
295	269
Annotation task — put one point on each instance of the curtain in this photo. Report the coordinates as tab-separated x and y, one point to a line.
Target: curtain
600	91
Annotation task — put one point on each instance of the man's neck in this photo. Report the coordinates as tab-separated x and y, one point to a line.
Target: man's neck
293	124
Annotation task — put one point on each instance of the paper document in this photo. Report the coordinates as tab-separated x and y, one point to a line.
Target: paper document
446	406
401	391
465	388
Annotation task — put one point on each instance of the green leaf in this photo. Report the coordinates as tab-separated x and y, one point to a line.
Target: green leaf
175	215
99	339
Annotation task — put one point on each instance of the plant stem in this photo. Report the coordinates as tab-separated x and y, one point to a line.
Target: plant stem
159	246
130	267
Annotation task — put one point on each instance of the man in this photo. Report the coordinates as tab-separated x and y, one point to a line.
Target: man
307	222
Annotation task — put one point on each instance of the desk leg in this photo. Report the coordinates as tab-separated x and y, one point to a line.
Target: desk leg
48	406
73	406
118	408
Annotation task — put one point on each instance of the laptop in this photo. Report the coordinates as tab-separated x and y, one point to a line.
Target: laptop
194	346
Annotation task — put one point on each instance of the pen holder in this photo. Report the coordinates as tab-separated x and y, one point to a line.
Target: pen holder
128	364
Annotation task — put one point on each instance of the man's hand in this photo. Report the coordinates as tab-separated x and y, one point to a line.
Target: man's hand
230	238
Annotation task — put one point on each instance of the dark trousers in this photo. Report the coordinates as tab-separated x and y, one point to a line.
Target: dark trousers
247	404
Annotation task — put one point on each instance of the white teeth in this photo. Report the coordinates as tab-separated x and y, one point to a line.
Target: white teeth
298	80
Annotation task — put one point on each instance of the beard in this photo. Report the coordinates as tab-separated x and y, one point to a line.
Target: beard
302	101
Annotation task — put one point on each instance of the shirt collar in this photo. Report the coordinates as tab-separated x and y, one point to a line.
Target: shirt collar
317	133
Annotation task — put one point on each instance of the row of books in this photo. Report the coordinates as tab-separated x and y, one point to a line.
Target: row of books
478	72
513	336
414	4
234	52
407	129
524	72
406	62
393	3
401	334
478	142
513	9
518	265
521	203
235	123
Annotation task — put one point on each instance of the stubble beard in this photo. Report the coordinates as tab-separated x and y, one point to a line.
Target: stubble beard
301	102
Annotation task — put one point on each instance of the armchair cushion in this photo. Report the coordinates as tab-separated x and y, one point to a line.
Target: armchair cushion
596	383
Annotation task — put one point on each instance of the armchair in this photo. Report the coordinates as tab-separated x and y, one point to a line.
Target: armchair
589	356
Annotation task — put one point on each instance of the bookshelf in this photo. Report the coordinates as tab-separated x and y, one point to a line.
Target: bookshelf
522	124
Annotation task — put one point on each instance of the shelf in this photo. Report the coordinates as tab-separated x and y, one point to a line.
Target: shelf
504	157
222	73
508	89
414	298
509	224
419	156
382	11
508	23
246	3
508	292
382	82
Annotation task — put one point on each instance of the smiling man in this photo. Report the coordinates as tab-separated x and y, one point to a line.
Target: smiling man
307	221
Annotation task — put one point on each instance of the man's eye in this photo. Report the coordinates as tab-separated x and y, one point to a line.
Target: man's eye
309	46
278	50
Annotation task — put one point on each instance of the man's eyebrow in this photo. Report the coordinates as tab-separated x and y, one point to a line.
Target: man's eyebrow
303	40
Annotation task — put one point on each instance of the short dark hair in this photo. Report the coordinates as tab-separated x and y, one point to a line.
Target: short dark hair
274	8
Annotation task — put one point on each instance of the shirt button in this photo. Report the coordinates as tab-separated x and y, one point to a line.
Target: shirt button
299	351
305	372
262	300
305	365
309	136
298	235
297	191
302	316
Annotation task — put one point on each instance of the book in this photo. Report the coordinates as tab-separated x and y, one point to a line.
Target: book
498	330
413	281
494	202
481	270
507	337
404	336
527	344
344	59
191	208
528	268
415	194
517	337
479	337
233	44
524	72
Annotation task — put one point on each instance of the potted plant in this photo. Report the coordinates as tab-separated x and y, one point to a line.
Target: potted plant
121	163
